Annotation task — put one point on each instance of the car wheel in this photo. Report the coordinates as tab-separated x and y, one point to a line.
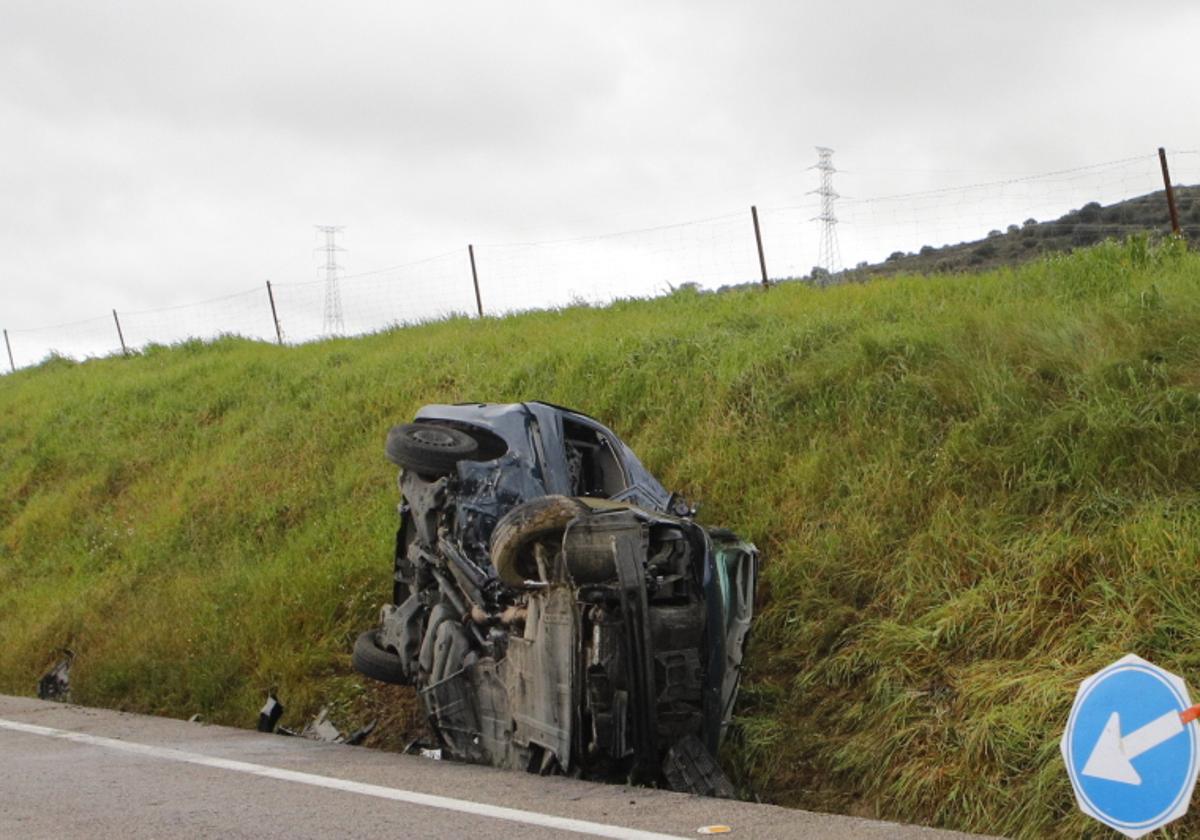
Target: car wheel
378	663
429	449
524	525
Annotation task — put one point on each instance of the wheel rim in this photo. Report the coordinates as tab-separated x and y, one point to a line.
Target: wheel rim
435	437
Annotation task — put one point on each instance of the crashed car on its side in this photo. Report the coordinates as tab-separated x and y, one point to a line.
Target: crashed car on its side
555	607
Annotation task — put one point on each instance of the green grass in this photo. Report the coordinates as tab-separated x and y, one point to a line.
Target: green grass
970	492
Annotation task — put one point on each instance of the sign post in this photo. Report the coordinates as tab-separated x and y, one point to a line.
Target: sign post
1130	750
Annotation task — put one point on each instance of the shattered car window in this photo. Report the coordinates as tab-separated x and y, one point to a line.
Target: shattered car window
557	610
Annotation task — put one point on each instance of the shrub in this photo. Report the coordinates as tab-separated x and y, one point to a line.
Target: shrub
1090	212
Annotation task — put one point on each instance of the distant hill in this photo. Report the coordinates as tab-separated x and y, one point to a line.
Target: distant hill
1088	225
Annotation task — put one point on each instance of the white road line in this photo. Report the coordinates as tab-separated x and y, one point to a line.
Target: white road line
429	800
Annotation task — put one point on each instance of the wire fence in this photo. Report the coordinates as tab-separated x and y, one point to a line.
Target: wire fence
710	253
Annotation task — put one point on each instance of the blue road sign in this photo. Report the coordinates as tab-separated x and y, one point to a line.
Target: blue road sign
1131	756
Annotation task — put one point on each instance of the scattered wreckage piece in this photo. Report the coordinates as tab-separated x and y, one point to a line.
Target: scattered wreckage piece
55	684
556	608
423	747
320	728
359	735
690	768
269	714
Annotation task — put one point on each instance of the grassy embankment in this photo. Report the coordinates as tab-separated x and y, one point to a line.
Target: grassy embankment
970	492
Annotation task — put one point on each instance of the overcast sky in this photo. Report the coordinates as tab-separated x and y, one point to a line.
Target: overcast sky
155	153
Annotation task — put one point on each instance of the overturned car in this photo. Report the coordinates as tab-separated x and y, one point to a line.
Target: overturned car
556	609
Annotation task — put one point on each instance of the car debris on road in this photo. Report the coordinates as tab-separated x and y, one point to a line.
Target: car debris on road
269	714
320	728
55	684
558	610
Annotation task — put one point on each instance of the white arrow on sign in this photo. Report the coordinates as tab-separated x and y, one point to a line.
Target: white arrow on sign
1113	755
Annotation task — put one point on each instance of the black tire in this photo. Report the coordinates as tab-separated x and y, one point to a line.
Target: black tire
372	661
428	448
524	525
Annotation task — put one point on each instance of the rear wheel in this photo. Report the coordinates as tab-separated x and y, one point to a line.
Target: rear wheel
378	663
429	449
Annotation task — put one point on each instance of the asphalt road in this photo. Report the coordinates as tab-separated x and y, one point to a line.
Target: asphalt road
74	772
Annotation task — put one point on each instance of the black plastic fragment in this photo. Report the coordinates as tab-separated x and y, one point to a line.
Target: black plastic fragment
55	684
360	735
690	768
269	714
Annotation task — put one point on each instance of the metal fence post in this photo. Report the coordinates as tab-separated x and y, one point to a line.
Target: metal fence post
475	280
1171	208
274	314
762	262
120	335
9	348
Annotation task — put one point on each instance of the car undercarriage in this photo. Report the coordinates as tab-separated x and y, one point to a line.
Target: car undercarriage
556	609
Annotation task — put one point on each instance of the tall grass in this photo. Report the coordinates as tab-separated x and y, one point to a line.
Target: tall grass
970	492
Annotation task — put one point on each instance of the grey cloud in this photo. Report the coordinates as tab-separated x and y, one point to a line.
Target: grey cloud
159	152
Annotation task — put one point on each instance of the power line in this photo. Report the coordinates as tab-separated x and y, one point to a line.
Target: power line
600	236
627	263
1076	171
